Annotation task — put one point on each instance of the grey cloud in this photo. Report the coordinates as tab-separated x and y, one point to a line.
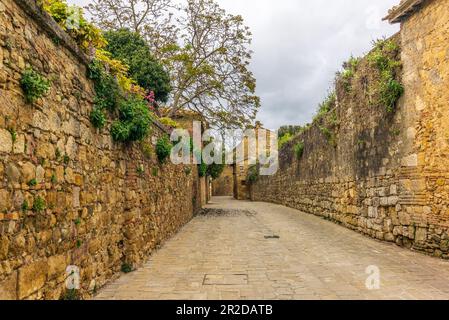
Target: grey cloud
300	44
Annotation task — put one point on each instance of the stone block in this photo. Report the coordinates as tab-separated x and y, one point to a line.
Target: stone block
5	141
40	174
8	287
28	172
4	247
56	265
32	277
410	161
19	144
421	234
13	173
5	200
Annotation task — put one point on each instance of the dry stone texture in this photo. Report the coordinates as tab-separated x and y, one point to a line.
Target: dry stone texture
388	175
99	211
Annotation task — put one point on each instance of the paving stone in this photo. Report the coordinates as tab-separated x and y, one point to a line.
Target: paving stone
312	259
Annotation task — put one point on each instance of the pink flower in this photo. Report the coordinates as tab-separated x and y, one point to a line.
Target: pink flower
151	97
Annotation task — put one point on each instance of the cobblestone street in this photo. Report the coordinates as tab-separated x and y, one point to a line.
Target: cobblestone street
254	250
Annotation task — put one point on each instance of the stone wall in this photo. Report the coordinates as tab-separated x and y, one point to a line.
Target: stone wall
224	185
106	204
387	176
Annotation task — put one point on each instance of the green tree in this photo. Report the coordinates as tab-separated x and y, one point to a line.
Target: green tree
132	49
205	49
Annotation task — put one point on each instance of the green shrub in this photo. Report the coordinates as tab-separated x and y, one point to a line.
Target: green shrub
34	85
163	148
326	106
39	204
202	169
292	130
188	171
253	174
349	70
215	170
284	139
385	57
120	131
299	150
106	87
170	123
97	118
133	50
134	123
390	92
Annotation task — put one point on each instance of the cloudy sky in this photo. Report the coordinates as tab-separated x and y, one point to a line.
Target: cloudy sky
299	45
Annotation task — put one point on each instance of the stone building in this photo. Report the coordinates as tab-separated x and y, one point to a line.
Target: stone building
242	188
224	185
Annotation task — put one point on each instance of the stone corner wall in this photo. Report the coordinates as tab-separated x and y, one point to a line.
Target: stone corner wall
223	186
106	204
387	175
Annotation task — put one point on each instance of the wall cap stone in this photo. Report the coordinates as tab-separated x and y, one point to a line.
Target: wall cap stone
47	23
404	10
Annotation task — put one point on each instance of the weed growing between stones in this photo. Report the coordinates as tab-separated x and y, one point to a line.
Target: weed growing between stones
70	294
25	206
13	133
126	268
140	170
326	106
32	183
385	57
66	159
34	85
39	205
349	70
